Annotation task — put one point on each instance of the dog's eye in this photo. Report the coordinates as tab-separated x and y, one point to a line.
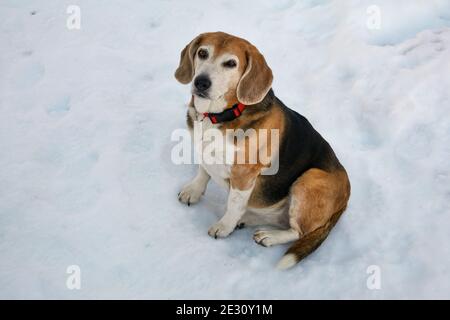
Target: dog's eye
230	63
203	54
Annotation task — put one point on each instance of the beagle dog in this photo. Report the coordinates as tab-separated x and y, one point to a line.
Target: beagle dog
231	90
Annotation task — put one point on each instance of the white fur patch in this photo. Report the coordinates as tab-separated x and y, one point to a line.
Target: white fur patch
192	192
268	238
236	206
288	261
222	79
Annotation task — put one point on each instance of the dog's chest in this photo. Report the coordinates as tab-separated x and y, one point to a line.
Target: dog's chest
219	173
213	150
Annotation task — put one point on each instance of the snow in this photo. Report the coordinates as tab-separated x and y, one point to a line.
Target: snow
85	171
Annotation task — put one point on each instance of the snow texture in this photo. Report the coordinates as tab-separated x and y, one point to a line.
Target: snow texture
86	177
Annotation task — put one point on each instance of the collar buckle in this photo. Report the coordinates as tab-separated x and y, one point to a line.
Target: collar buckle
226	115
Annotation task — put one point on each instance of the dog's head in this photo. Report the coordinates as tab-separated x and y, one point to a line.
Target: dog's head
223	69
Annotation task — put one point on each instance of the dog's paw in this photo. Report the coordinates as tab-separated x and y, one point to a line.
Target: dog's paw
190	194
264	238
220	230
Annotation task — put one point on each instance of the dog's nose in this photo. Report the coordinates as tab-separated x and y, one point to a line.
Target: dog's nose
202	83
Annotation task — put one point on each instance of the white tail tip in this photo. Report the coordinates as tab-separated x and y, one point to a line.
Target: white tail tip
288	261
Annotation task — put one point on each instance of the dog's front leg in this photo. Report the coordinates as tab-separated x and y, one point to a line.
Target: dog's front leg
192	192
242	183
236	206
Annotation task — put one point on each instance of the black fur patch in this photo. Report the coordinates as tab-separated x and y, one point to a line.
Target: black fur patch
301	148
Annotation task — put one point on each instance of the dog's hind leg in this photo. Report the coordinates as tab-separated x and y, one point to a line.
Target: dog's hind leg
269	238
318	198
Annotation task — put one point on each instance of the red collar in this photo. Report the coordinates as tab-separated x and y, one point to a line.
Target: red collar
227	115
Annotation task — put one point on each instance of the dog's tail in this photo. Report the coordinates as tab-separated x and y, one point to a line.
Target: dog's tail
308	243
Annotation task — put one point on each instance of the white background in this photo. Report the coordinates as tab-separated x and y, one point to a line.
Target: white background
86	177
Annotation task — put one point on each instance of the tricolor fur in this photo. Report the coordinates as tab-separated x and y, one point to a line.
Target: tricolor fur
307	195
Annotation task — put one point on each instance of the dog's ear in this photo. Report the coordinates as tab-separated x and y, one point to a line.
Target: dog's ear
185	70
256	80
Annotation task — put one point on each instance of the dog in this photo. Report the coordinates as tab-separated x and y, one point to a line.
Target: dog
232	89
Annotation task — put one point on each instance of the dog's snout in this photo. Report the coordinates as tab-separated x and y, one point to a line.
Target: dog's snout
202	83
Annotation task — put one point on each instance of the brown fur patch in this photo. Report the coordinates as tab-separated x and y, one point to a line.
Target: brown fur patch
316	196
243	176
261	117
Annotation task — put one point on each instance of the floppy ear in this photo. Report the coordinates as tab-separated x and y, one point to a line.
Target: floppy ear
185	70
256	80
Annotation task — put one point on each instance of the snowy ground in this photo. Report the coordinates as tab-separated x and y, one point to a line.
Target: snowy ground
85	171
